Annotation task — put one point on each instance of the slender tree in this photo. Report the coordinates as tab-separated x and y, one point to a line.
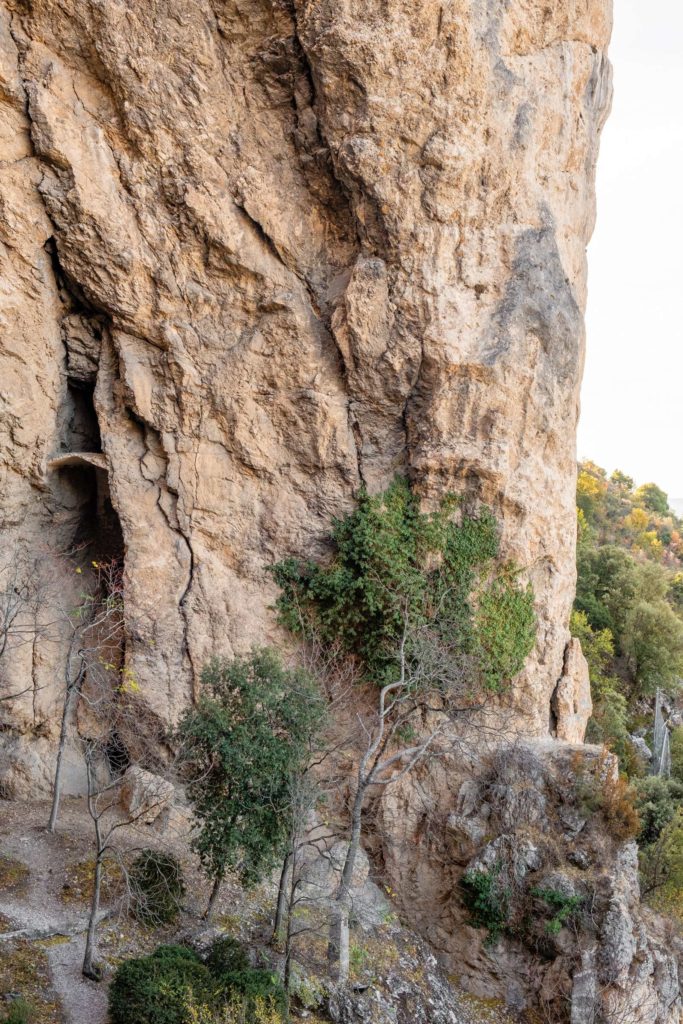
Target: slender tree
96	638
249	733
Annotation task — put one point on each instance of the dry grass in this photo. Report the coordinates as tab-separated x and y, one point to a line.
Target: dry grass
24	972
13	876
78	881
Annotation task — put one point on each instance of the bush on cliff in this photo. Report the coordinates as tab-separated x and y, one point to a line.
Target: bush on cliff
397	569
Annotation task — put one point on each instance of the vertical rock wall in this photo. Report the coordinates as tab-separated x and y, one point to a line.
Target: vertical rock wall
278	249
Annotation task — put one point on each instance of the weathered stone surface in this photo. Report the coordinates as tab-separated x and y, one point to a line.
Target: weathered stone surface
532	791
255	254
295	247
144	796
571	702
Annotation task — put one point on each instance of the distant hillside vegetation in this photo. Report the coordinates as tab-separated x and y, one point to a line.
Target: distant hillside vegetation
628	615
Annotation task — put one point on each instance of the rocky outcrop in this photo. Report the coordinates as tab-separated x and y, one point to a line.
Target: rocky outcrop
256	254
536	827
571	704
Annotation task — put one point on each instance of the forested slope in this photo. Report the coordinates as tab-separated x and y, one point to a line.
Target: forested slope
629	617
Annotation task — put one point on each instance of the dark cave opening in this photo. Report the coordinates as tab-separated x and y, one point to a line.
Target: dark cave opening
82	428
117	755
93	526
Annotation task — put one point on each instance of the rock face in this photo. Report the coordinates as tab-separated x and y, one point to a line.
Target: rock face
525	827
257	253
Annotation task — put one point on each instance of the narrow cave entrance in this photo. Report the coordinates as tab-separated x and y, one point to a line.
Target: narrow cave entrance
82	428
92	529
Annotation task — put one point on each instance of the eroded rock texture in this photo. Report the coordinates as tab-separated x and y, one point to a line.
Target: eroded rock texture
256	252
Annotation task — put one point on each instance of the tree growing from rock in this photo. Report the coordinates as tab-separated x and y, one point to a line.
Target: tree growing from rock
419	603
247	737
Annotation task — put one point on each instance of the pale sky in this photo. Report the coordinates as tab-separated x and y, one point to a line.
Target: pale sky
632	408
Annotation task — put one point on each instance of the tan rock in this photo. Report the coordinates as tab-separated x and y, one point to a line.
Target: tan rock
298	248
571	704
144	796
257	254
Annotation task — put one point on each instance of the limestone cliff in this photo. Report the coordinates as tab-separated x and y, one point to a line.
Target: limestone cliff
258	252
255	254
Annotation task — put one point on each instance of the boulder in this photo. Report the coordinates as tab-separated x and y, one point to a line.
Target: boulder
144	795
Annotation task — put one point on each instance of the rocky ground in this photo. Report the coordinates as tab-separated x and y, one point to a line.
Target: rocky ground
44	896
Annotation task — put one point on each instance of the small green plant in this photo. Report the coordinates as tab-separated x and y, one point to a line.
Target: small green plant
308	990
157	885
236	1010
358	959
487	900
226	956
562	905
19	1012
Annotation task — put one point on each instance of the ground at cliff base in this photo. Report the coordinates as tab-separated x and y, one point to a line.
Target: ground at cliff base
44	899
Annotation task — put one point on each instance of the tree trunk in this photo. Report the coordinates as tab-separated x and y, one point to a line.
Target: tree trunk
208	913
338	948
282	901
57	783
90	970
73	690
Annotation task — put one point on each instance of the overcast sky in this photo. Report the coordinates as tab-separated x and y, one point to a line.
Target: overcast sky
632	407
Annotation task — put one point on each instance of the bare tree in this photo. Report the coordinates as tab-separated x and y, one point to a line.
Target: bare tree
26	589
95	631
434	694
116	820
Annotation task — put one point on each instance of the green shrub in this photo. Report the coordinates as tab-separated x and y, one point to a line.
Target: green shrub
562	905
157	885
227	956
156	989
395	563
253	986
487	900
19	1012
236	1010
657	800
677	754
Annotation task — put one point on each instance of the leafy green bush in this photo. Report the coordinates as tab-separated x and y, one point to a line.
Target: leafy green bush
227	956
487	900
677	754
396	566
155	989
246	737
661	865
562	905
254	986
657	800
609	722
653	640
157	885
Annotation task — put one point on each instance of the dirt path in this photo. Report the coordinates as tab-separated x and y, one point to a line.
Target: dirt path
38	910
